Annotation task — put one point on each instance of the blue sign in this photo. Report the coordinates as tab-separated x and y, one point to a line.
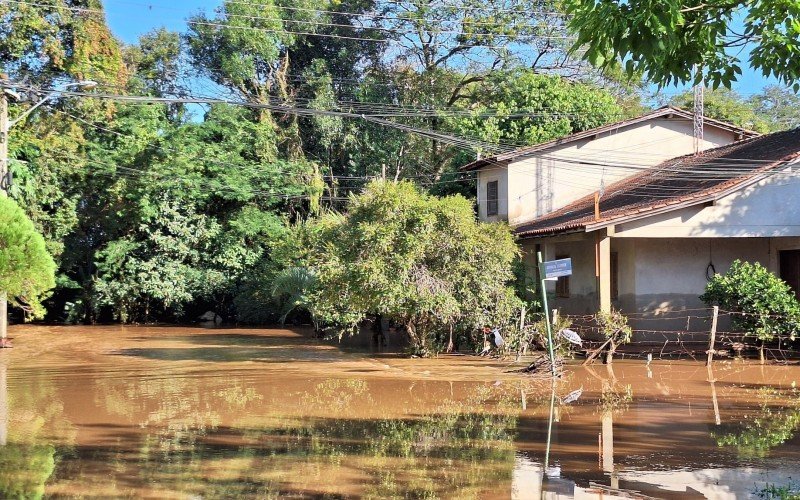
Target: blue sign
557	268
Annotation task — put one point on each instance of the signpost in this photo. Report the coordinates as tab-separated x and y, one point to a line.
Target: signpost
548	271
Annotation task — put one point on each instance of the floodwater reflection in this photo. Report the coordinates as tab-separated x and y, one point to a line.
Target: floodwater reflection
107	419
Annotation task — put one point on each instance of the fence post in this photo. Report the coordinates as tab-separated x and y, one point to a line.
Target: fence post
713	336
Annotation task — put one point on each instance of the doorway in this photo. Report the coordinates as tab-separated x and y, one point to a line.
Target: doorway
790	269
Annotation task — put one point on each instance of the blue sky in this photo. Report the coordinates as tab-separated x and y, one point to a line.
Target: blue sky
129	19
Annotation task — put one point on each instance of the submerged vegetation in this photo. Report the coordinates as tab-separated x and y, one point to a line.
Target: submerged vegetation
412	258
762	305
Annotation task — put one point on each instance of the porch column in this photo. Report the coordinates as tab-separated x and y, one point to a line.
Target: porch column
603	267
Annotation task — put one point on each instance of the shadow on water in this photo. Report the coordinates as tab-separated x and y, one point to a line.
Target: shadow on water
229	354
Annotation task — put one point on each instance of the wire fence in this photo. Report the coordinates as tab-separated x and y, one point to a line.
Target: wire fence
686	333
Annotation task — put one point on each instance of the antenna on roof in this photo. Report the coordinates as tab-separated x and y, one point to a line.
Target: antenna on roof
698	109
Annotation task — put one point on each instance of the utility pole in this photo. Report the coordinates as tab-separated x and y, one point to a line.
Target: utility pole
3	192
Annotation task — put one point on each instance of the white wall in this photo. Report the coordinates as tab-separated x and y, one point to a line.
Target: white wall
486	175
580	247
551	179
768	208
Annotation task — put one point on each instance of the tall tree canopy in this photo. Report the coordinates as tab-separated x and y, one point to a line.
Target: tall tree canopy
667	39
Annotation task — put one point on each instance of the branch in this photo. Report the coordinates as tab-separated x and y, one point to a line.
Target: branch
456	94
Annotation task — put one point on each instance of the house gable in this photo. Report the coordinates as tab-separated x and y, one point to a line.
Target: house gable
544	178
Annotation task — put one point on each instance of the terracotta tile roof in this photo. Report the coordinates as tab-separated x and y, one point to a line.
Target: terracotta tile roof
658	113
682	181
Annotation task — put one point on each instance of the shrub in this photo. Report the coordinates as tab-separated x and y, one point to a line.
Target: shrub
422	261
27	271
614	327
767	304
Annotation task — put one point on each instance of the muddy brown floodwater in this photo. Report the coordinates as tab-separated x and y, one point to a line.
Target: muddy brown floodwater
107	412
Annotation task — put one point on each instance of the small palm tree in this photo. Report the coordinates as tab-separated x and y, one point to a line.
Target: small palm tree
291	287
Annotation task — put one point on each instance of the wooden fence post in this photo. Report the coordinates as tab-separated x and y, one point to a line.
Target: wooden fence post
713	336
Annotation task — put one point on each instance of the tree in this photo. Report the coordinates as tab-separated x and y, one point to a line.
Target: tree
763	305
26	269
727	105
666	40
48	41
550	107
779	106
422	261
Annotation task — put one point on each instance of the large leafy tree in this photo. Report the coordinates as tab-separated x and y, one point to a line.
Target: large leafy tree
667	39
26	269
420	260
200	213
727	105
49	40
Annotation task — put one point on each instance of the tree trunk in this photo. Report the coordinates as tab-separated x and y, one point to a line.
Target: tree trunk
450	345
610	354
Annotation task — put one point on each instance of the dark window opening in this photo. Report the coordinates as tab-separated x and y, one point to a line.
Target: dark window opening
790	269
491	198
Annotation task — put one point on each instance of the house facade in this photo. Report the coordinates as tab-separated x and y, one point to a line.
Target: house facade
647	242
650	244
528	183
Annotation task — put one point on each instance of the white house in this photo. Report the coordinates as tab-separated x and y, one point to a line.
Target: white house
530	182
647	238
652	240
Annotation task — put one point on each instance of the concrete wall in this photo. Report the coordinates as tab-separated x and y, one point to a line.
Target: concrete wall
548	180
499	174
768	208
658	278
583	282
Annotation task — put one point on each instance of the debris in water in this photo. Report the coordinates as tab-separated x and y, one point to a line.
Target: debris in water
571	336
572	396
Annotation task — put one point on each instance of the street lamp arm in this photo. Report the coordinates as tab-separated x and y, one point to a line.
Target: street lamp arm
30	110
84	84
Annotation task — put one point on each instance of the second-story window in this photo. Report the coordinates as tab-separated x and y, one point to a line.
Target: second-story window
491	198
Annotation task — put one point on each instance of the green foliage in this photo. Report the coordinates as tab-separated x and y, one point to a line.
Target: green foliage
767	304
555	107
292	286
727	105
614	325
46	41
664	40
537	335
26	269
422	261
773	491
779	107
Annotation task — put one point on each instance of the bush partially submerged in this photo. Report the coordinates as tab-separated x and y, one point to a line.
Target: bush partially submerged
767	305
422	261
614	327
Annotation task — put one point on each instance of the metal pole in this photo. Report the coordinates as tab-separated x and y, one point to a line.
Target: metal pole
3	180
550	425
546	315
